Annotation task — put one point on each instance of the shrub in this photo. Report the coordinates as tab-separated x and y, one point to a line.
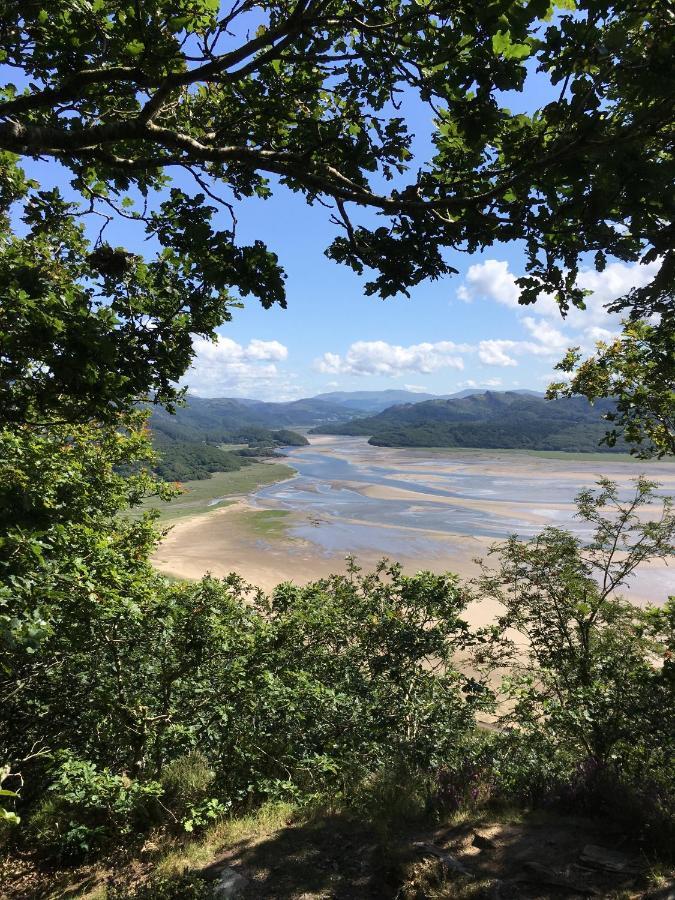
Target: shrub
90	809
186	782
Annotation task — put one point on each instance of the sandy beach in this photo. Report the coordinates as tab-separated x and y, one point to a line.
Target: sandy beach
215	543
405	505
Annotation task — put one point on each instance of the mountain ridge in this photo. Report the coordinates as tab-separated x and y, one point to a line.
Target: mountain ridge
490	420
221	418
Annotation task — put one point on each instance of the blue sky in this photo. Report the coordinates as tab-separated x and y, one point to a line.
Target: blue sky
458	332
464	331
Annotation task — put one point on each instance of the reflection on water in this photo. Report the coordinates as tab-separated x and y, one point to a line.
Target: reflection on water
505	493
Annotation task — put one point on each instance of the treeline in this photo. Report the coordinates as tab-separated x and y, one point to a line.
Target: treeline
192	460
490	420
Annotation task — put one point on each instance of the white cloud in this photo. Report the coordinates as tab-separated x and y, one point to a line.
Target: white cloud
381	358
265	350
485	382
329	363
616	279
223	367
493	353
543	332
549	342
491	279
595	334
415	388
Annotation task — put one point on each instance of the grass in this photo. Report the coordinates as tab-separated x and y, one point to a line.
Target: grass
198	496
197	853
328	848
232	446
268	523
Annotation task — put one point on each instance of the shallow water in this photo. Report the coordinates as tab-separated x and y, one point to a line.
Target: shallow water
512	494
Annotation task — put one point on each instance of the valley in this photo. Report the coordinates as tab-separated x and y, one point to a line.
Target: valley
431	509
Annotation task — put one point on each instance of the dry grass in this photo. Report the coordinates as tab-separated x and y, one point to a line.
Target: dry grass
198	853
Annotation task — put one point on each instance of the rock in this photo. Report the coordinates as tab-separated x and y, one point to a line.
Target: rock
229	885
609	860
482	841
539	874
453	864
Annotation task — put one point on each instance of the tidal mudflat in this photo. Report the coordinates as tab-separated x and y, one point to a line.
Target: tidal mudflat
433	509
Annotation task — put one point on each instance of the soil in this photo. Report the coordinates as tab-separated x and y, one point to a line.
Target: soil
333	857
537	858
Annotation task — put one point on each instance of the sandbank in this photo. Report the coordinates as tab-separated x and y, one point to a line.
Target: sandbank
311	541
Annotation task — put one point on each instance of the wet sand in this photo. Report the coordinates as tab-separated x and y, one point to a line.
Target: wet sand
406	505
215	543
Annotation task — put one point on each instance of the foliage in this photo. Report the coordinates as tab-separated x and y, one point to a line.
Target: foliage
7	816
88	810
182	440
191	461
500	420
638	371
63	547
248	95
186	781
214	669
590	684
286	437
185	440
89	331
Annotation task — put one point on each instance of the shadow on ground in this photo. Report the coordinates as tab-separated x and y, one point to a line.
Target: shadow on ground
534	858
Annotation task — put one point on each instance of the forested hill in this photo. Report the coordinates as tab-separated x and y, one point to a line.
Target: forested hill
232	420
506	420
189	442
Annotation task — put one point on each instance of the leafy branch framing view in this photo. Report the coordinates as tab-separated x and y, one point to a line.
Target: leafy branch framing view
130	702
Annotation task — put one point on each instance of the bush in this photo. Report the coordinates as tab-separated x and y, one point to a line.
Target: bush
171	887
89	810
309	691
186	782
636	790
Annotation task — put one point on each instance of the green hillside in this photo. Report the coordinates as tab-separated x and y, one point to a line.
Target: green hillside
227	420
188	441
507	420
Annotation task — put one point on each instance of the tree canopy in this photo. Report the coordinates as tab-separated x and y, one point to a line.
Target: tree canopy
116	683
638	369
314	96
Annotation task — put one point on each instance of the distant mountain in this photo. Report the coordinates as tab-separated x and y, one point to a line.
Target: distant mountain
187	442
227	419
377	401
372	401
230	419
473	392
491	420
526	392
